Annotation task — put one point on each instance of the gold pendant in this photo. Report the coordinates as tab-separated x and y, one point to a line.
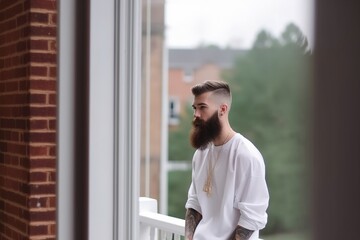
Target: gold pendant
207	186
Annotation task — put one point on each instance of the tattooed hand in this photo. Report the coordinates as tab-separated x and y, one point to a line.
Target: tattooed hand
192	219
241	233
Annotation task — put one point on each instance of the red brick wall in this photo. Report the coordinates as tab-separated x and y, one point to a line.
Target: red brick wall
27	119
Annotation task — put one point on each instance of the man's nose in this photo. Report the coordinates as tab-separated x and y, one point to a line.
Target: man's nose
196	114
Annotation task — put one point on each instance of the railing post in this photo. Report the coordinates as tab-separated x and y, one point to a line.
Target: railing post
147	205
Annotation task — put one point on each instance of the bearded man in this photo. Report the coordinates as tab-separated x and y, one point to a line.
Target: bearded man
228	195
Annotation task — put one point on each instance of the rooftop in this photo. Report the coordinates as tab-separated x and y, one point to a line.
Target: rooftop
189	59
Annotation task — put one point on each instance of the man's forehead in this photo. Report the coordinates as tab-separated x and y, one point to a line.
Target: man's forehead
202	99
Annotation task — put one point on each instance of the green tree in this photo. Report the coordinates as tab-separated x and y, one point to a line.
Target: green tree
270	85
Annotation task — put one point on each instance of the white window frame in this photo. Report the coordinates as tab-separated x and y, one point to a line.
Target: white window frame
114	119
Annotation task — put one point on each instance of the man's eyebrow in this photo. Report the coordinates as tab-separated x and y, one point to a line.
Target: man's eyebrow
199	105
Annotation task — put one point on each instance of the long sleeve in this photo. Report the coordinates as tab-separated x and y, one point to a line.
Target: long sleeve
251	194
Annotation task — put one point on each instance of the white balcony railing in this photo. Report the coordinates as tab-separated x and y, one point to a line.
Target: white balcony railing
153	225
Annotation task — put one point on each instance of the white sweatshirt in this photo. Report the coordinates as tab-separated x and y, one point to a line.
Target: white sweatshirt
239	191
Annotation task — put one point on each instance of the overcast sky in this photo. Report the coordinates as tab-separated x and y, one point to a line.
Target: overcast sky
235	23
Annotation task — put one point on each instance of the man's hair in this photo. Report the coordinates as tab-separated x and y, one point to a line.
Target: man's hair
218	88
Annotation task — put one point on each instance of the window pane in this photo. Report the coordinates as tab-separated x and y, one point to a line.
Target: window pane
263	50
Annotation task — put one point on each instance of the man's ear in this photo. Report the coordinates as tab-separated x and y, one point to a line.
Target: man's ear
223	109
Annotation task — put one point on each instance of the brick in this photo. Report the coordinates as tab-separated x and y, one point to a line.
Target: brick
14	99
42	31
20	174
14	197
42	216
40	137
9	159
38	176
43	85
38	124
13	111
37	98
42	188
38	71
53	18
13	73
52	124
12	209
10	184
43	111
36	230
51	177
52	202
36	17
37	151
52	71
39	44
8	25
52	229
10	37
8	50
15	148
11	86
52	151
15	222
7	123
53	45
38	202
43	163
52	99
10	136
43	58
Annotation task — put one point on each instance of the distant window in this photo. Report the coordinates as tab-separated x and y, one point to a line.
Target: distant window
188	75
174	111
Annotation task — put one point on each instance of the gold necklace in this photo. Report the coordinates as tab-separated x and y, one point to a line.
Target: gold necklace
208	183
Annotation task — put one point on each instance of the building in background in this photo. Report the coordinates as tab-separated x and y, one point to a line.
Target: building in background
188	67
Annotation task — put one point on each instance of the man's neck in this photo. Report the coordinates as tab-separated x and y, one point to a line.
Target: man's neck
225	135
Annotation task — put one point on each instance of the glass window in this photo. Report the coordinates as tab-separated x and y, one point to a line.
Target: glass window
263	49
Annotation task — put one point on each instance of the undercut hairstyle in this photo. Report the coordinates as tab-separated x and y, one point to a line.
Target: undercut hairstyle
217	88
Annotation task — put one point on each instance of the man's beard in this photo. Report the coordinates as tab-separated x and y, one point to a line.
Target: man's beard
203	132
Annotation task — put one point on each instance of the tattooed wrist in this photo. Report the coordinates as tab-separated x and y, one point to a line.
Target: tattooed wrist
242	233
192	219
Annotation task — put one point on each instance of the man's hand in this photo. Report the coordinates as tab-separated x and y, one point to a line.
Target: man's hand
241	233
192	219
